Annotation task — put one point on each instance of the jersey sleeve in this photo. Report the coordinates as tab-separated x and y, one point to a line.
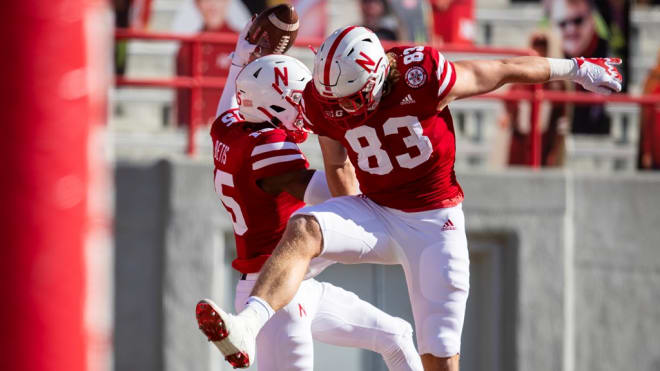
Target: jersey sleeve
445	73
274	153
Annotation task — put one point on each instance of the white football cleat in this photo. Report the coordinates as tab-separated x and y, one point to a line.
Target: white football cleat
231	334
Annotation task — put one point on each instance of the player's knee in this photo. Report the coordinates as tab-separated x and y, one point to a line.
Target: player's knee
398	336
397	348
305	228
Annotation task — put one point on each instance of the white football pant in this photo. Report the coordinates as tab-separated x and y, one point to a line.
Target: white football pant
327	313
431	246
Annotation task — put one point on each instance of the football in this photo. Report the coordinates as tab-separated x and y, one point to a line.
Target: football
274	30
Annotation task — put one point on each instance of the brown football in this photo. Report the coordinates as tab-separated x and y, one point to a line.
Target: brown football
274	30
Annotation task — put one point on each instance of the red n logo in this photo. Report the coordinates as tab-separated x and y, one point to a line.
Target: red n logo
281	75
365	63
302	310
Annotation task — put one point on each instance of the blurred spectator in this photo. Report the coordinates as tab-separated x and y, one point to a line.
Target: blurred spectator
453	21
649	140
375	17
553	120
128	14
215	61
576	23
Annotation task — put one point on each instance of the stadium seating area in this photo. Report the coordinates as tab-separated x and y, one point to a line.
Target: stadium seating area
142	119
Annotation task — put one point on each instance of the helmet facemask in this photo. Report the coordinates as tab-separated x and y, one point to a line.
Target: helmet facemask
355	109
290	116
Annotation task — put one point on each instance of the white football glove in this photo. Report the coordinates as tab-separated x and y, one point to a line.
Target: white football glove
243	53
598	75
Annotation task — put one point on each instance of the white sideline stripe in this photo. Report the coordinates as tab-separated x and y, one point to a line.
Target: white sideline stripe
263	148
445	82
281	25
276	160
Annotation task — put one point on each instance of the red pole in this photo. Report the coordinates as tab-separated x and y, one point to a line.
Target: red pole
195	96
43	146
535	142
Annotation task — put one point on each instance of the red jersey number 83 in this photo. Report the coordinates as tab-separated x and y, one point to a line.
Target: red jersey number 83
373	146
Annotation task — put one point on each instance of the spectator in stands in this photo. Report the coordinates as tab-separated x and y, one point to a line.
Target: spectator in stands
576	23
649	139
553	120
453	21
375	16
128	14
215	61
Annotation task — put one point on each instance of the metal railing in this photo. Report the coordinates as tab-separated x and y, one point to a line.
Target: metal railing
196	82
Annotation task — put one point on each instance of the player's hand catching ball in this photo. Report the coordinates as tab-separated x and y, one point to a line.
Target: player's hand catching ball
244	51
273	31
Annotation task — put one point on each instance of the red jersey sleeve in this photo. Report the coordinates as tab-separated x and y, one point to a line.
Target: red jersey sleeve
425	73
445	73
229	116
274	153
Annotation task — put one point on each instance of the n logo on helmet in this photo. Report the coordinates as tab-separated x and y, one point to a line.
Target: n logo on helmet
366	62
281	75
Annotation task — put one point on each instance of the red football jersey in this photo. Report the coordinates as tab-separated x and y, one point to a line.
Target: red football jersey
243	153
404	153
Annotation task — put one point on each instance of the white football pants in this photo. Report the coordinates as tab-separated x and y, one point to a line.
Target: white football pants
431	246
330	314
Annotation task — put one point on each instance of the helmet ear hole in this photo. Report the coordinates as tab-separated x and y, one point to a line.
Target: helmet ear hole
275	121
277	108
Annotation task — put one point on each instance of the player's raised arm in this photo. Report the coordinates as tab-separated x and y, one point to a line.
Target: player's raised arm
482	76
339	172
242	55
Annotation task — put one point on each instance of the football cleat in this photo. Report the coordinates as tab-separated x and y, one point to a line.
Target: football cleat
230	334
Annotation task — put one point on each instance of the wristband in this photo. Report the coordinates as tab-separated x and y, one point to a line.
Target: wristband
562	69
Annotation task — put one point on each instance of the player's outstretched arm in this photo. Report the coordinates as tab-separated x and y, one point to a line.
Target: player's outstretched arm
338	169
242	55
482	76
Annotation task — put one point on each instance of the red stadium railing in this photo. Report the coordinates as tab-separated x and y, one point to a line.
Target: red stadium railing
197	81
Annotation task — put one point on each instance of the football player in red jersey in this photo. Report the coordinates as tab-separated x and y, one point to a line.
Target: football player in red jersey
387	113
262	177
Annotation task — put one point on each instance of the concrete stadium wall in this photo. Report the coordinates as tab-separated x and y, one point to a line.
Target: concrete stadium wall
565	271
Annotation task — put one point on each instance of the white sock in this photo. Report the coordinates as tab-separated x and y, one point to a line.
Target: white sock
259	309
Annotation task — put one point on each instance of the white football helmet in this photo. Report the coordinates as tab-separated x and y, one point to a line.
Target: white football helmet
349	72
269	89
